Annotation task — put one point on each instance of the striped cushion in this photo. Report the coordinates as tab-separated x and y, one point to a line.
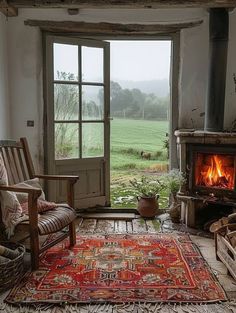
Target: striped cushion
55	220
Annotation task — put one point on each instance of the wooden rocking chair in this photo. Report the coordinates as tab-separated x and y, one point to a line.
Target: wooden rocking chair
19	167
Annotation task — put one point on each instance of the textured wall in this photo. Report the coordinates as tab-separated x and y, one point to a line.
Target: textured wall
4	104
25	65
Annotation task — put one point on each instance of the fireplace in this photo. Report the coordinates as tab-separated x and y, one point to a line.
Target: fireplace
208	157
212	171
209	161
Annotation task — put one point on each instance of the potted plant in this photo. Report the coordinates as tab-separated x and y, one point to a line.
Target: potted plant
173	181
147	189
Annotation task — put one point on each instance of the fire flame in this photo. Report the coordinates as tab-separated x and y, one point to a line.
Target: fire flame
215	175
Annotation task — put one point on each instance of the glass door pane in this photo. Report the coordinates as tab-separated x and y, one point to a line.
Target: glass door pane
66	102
92	140
65	58
66	141
92	65
92	103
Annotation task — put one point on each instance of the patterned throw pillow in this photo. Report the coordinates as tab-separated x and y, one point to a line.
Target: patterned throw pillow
42	206
23	197
10	207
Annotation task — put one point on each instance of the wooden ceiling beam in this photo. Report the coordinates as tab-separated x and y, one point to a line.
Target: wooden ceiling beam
8	10
122	3
110	29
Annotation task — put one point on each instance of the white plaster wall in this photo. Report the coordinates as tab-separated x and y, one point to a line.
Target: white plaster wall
230	97
193	75
25	84
25	70
4	104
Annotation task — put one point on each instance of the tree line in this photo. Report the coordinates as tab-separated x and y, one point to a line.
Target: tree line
133	103
124	103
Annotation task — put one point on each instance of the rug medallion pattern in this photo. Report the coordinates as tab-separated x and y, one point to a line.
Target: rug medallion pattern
121	268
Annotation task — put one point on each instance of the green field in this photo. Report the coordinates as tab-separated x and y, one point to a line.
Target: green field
128	139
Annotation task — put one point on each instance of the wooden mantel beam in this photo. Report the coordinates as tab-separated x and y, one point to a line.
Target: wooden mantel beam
110	28
7	9
122	3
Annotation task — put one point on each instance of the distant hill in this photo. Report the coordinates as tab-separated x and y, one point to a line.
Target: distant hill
159	87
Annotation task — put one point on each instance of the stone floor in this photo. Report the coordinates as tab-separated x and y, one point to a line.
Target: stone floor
202	239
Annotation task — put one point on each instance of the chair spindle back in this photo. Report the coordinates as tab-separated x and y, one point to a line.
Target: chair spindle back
17	160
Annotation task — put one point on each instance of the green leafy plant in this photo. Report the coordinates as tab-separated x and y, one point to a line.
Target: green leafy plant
173	180
166	145
147	186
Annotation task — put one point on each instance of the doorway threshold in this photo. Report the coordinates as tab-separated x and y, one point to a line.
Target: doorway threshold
108	216
108	213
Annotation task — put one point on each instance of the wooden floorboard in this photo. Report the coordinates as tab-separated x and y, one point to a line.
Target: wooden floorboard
139	226
88	225
105	226
122	226
116	226
129	226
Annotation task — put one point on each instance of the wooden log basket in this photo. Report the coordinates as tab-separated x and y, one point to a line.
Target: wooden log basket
225	242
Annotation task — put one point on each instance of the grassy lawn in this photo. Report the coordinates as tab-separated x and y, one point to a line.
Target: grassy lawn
122	195
128	139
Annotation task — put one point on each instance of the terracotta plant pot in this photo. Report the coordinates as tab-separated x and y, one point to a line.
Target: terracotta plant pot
148	206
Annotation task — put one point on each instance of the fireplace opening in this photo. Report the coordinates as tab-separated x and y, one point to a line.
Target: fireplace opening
211	170
214	171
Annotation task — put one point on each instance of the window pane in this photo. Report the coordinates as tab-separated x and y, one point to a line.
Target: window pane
92	139
66	141
66	102
65	59
92	64
92	103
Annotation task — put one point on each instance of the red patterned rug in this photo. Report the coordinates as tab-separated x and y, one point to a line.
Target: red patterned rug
121	268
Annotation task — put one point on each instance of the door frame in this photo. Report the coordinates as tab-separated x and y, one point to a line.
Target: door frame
174	87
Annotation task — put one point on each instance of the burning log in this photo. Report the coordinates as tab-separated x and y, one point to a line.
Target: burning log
212	172
223	182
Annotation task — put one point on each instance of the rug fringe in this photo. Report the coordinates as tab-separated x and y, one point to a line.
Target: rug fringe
146	307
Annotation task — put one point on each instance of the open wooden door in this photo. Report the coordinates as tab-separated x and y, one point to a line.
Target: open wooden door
77	121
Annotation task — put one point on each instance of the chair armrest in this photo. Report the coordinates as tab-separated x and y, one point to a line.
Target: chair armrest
58	177
71	180
36	191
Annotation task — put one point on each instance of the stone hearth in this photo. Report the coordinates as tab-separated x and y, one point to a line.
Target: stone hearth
196	201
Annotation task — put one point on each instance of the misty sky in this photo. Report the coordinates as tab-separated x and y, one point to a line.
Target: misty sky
140	60
130	60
